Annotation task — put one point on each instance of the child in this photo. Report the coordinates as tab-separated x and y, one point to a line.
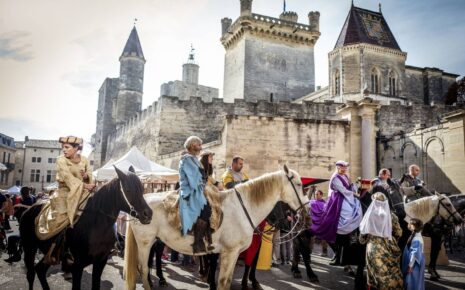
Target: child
413	260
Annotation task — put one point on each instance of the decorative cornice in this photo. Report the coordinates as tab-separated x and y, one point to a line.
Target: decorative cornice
368	47
272	28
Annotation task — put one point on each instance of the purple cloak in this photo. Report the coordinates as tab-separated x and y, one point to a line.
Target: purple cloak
326	228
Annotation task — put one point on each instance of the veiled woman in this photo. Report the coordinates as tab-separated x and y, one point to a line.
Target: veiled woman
380	230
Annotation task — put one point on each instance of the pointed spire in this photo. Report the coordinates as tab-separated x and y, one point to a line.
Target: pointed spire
379	7
133	47
352	3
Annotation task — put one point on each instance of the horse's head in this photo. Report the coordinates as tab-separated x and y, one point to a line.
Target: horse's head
447	210
132	192
293	193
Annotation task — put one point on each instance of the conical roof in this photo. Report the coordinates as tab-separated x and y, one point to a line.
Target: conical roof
365	26
133	47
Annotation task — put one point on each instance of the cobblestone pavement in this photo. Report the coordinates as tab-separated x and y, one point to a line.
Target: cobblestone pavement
13	276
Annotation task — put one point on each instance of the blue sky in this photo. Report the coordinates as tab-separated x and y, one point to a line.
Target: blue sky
54	55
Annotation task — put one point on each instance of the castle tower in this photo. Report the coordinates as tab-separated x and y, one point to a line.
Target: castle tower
132	61
190	70
268	58
366	59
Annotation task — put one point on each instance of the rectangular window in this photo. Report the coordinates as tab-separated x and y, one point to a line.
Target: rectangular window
35	175
52	160
4	157
39	159
2	176
34	159
51	175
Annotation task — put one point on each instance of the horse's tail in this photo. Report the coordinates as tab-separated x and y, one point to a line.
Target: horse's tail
130	259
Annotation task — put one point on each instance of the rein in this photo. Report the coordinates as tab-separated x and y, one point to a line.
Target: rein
256	229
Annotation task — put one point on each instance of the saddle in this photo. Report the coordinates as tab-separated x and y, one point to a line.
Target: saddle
214	199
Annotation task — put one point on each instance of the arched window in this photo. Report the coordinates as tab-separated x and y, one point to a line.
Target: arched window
374	81
392	84
337	83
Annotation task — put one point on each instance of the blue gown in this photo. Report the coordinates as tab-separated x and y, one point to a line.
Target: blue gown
414	256
192	186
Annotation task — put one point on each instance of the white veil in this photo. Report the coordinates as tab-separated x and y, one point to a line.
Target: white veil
377	220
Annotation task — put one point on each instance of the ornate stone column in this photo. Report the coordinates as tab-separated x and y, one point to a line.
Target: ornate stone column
362	151
367	110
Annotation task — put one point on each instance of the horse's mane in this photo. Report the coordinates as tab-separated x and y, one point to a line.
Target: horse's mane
420	208
104	199
258	189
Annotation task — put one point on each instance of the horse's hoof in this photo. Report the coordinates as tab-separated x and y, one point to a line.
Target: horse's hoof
297	275
162	283
314	279
257	286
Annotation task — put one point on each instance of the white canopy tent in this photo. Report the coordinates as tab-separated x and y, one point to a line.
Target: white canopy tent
14	190
3	167
147	170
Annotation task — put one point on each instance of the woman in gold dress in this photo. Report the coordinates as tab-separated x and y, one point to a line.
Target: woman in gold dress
74	178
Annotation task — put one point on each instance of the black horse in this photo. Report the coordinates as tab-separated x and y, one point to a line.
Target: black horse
93	237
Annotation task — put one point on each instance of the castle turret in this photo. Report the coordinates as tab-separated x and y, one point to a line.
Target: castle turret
190	70
246	7
225	24
132	62
314	20
289	16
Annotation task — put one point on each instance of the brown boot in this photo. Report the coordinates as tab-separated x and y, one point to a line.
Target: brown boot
208	236
199	233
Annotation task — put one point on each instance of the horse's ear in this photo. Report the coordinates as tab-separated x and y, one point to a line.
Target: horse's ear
286	169
120	173
131	169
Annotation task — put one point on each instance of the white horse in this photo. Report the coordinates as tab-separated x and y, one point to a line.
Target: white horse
426	208
259	196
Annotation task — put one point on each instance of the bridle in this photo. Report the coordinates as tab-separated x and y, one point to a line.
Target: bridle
255	228
451	213
132	211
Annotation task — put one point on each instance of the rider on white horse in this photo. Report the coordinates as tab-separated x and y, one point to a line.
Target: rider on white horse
193	206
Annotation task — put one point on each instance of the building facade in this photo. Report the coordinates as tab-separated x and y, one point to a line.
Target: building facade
372	99
36	162
7	166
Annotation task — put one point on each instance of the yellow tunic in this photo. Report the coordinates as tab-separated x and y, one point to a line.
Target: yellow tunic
64	203
230	178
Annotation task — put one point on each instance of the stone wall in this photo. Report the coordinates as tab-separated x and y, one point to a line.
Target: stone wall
184	91
108	93
163	127
287	71
439	151
309	146
414	85
395	118
233	86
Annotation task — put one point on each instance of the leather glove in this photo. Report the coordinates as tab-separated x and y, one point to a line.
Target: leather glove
418	187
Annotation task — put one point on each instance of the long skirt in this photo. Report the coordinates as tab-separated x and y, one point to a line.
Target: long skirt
383	264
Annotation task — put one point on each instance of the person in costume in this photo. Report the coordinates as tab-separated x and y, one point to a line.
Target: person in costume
379	230
412	186
206	159
74	176
342	214
382	179
234	174
413	259
194	209
317	206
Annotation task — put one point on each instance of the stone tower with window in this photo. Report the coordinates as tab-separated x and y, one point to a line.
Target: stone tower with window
120	98
366	58
268	58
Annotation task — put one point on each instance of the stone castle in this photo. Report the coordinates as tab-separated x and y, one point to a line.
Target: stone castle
376	111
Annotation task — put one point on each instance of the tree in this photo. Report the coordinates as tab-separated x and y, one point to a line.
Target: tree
456	93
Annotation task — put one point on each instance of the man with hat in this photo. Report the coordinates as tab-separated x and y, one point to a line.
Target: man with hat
342	213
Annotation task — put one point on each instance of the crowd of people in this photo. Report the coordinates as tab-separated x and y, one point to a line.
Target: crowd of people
336	222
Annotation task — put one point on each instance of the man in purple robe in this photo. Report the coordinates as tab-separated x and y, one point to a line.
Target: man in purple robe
342	213
316	212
